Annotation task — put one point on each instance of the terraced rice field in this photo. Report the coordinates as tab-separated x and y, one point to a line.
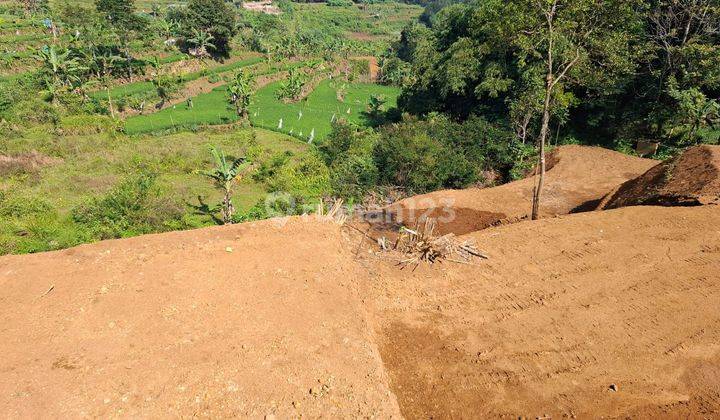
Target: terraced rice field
316	112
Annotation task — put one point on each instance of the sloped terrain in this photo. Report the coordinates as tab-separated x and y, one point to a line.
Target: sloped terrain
176	325
599	314
692	178
577	179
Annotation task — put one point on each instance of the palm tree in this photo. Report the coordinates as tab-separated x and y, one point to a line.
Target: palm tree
239	92
225	174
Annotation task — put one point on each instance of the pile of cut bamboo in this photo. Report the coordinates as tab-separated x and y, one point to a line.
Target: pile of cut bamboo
420	244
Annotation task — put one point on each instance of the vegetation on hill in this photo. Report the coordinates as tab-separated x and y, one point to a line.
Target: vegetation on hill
384	96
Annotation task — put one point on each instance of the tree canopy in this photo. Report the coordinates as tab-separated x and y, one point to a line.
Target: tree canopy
630	69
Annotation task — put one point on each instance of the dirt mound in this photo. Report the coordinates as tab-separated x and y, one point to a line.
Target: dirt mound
692	178
601	314
595	314
578	178
179	324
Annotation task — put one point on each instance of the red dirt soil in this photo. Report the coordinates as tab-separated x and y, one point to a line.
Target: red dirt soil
174	324
578	178
563	309
599	314
292	323
692	178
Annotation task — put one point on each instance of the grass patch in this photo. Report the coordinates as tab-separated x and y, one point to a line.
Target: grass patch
39	208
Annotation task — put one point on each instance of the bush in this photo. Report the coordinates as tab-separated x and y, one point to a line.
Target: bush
354	176
303	183
418	155
339	3
346	139
133	207
21	207
35	111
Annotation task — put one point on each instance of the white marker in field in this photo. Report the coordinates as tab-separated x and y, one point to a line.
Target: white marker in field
312	136
299	115
280	124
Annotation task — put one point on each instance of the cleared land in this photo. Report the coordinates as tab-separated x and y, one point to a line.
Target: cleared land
600	314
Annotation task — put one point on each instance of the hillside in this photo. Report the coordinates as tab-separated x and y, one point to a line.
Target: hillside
692	178
271	318
578	178
174	324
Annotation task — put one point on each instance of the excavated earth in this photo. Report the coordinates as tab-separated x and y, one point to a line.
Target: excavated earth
598	314
692	178
578	177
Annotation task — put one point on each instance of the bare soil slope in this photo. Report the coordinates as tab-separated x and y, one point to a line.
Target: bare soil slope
693	178
577	179
609	313
175	325
595	314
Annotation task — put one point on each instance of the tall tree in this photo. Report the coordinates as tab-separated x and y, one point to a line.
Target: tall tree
213	17
120	15
575	42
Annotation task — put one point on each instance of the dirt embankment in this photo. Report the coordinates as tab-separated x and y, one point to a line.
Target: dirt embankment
179	324
577	179
595	314
692	178
599	314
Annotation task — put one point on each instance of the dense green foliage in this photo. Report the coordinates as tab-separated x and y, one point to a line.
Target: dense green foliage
635	69
420	155
213	17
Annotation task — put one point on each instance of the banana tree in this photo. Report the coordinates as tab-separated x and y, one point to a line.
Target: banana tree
202	41
59	67
239	92
106	62
225	175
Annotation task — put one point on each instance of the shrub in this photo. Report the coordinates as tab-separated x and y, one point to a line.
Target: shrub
354	176
35	111
425	155
304	182
21	207
339	3
133	207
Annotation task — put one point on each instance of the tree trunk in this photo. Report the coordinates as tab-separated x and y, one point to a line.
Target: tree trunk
110	104
228	208
537	191
128	58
